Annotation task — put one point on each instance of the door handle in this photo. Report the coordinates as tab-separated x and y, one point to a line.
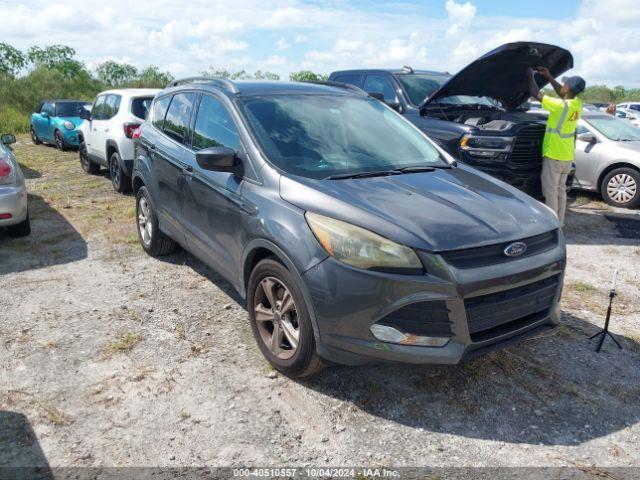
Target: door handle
152	147
188	170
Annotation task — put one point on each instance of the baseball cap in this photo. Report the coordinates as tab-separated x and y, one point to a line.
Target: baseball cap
576	84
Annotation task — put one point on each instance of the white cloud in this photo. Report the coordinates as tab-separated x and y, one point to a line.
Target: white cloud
282	44
460	15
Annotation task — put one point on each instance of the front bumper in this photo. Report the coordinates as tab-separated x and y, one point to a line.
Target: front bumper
347	301
13	201
71	137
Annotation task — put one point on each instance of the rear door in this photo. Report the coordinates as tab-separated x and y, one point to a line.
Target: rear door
101	126
172	158
213	207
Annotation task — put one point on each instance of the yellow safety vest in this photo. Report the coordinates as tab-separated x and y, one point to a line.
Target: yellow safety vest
559	138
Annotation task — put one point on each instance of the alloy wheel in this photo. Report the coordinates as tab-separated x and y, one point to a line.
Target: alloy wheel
622	188
59	141
34	137
277	318
144	221
114	170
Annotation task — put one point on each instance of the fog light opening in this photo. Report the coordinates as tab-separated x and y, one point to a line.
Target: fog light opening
389	334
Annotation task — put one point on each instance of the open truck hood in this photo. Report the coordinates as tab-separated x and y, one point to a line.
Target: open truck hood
501	74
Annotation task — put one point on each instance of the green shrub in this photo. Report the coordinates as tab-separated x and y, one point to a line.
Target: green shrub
12	121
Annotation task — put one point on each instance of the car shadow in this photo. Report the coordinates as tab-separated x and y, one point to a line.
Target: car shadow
53	241
29	173
550	390
21	456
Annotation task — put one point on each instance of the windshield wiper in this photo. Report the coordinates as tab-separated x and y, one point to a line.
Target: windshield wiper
416	169
375	173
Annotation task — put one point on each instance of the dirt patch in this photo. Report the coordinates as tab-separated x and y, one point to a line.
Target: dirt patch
110	357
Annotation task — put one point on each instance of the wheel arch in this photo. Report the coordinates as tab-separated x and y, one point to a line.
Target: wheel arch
617	164
110	148
260	249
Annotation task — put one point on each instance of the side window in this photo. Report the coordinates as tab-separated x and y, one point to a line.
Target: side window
47	107
380	84
176	123
111	106
140	106
97	111
353	79
160	111
580	129
214	126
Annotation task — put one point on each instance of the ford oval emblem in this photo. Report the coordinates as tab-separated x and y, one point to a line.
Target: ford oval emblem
515	249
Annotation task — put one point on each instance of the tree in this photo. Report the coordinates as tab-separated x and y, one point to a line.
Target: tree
213	72
57	57
152	77
12	60
307	76
116	74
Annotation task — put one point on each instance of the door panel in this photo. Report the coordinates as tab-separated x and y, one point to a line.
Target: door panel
91	136
587	159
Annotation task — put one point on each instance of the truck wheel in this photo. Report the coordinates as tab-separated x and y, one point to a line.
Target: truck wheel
280	320
120	180
86	164
621	188
153	241
21	229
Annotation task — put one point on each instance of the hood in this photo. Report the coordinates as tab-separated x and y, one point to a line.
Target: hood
501	74
77	121
446	209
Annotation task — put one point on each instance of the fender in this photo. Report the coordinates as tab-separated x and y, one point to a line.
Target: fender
257	243
110	144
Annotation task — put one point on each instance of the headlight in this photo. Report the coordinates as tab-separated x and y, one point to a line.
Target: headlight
361	248
68	125
486	146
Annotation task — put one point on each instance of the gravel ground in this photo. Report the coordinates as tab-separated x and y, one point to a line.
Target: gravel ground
111	358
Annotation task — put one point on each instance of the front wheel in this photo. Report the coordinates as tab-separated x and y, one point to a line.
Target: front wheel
621	188
153	241
34	137
60	141
120	180
87	165
280	320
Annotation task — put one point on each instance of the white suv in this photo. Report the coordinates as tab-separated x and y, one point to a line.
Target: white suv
105	136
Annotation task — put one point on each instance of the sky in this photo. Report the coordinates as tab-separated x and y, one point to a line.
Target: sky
187	37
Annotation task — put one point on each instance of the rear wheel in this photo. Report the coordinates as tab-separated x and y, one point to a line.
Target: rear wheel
22	229
34	137
280	320
153	241
120	180
621	188
86	164
60	141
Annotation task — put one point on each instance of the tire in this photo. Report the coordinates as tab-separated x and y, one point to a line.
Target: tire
121	181
21	229
153	241
60	141
87	165
621	188
34	137
292	360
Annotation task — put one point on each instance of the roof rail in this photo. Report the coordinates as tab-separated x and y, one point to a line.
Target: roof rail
221	82
345	86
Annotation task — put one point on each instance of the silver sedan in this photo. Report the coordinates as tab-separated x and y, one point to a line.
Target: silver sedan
608	159
14	214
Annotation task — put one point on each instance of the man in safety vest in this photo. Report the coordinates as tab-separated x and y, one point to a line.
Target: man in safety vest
558	147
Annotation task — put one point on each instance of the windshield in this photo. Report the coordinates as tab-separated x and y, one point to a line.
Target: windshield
70	109
615	128
317	136
420	86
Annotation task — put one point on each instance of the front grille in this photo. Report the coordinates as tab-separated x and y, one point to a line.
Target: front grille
493	254
492	315
525	161
422	318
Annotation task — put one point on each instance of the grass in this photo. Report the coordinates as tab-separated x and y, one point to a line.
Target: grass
124	342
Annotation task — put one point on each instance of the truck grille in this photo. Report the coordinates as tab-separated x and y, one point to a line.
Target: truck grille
525	161
492	254
492	315
422	318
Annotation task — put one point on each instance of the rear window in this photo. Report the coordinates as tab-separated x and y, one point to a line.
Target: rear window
140	107
159	111
352	79
176	123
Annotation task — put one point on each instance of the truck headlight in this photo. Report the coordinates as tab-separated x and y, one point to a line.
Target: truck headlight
485	146
361	248
68	125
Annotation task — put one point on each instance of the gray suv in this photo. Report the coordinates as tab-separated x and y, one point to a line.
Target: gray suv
352	236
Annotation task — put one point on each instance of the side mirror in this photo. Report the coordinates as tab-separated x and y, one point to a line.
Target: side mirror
84	114
219	159
587	138
8	139
44	114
